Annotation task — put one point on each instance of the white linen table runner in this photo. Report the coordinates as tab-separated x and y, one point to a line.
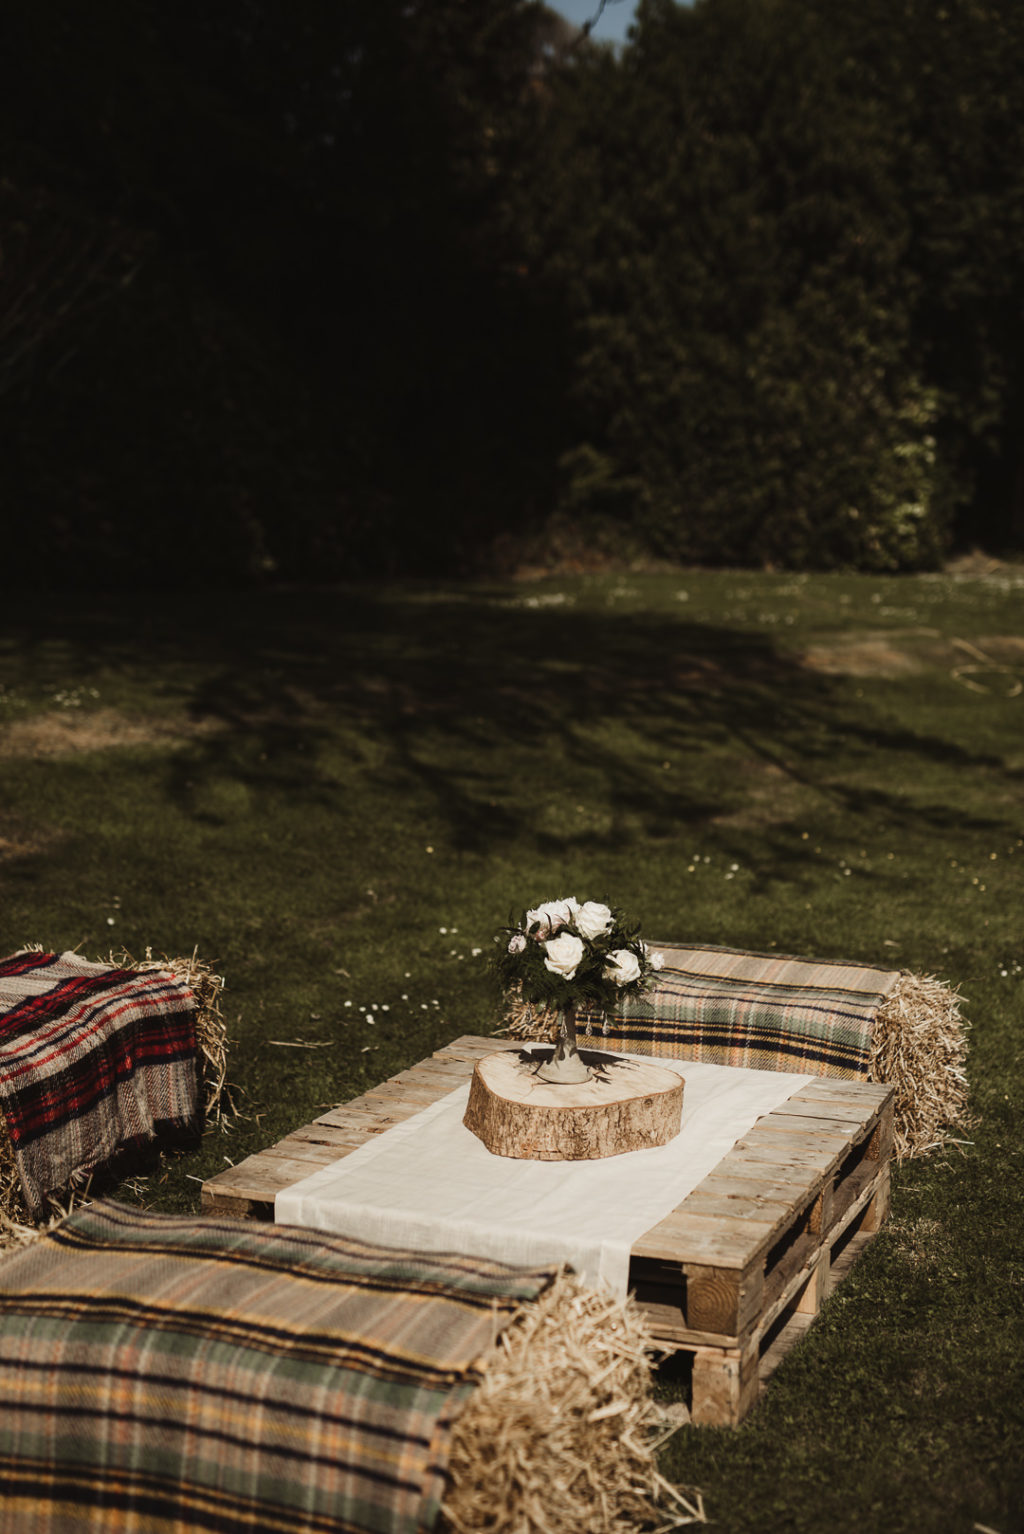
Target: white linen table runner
430	1184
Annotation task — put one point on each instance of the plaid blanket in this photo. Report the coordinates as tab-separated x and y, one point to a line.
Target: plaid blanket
160	1373
93	1060
768	1011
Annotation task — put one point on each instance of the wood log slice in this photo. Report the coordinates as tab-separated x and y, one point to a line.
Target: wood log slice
626	1105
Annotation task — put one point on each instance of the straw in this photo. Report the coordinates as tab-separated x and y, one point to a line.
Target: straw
561	1435
919	1047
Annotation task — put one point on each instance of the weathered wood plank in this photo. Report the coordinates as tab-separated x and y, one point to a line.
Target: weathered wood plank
725	1385
367	1117
729	1243
792	1143
869	1092
804	1161
811	1124
722	1183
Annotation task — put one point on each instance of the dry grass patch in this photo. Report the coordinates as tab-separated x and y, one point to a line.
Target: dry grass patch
58	733
871	654
19	841
992	663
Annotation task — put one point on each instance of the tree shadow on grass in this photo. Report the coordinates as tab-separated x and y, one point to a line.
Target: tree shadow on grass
492	712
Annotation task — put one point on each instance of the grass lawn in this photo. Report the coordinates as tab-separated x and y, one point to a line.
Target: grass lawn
338	796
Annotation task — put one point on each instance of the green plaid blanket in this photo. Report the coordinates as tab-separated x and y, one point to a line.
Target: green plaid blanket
162	1373
764	1010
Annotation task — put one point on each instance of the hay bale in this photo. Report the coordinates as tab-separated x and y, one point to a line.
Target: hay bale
550	1430
561	1434
918	1047
211	1039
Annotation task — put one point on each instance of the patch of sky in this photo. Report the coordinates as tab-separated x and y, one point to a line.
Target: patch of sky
613	21
612	24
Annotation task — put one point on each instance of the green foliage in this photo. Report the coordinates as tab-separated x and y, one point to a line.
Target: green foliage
756	210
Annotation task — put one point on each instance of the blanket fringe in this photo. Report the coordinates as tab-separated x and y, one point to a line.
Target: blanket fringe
562	1432
211	1030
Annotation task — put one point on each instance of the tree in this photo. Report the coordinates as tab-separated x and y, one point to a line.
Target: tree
761	268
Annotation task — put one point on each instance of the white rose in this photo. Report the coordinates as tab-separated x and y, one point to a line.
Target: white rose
656	960
593	920
552	915
622	966
516	943
563	954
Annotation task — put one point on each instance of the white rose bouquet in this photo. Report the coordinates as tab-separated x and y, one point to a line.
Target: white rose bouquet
563	954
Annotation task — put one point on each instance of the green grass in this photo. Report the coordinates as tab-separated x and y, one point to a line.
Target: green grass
320	781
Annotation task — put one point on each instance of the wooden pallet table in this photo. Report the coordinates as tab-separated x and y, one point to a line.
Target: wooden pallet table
734	1276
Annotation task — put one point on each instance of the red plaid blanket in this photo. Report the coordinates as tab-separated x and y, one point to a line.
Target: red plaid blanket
94	1060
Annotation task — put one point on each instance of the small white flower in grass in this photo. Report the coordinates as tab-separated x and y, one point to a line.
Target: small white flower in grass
476	952
442	929
110	919
424	1007
562	955
385	1007
622	967
405	997
348	1003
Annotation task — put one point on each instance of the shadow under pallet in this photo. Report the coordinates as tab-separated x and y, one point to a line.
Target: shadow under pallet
735	1275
